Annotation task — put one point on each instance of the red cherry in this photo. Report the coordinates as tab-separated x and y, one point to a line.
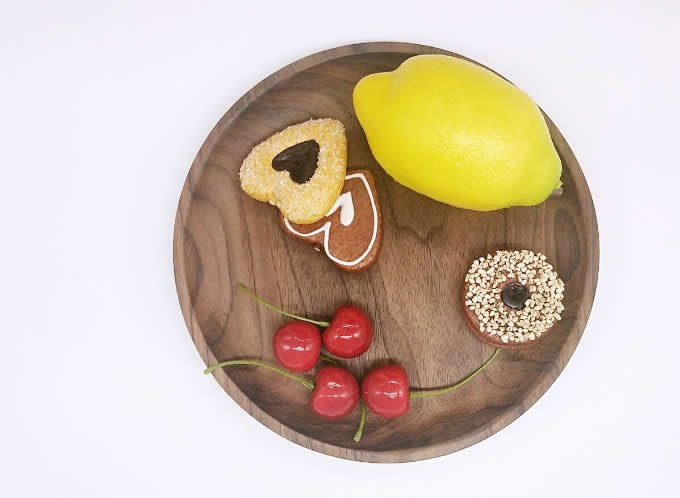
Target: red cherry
349	334
385	391
336	393
297	346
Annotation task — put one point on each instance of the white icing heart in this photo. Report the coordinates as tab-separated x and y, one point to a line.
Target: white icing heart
346	206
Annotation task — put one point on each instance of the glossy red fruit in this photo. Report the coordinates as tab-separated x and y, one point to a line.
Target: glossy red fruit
349	334
336	393
385	391
297	346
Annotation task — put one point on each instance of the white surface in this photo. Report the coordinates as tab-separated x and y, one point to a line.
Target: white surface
102	109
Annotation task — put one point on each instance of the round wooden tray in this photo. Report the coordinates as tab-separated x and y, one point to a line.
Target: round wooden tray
412	292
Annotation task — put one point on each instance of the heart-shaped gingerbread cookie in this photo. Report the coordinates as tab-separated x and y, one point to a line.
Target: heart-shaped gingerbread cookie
351	232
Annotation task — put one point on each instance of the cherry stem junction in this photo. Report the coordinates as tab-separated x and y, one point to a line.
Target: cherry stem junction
362	420
245	289
444	390
328	359
308	384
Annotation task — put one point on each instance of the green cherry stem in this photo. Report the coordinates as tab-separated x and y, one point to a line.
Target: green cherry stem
323	357
245	289
444	390
308	384
362	420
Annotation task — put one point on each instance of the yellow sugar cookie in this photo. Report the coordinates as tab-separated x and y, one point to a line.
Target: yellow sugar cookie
300	170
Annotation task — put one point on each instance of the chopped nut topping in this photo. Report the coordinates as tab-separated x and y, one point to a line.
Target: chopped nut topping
486	279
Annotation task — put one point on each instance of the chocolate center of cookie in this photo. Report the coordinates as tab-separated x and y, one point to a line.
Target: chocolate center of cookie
514	295
300	160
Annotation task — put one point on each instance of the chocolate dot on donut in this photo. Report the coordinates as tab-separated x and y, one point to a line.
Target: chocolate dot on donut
300	160
514	295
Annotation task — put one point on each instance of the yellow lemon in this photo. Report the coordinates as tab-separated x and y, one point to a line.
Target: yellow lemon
458	133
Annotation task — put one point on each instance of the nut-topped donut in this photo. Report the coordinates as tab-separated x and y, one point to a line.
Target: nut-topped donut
512	298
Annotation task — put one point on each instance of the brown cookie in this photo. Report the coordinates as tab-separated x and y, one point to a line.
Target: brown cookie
513	298
351	232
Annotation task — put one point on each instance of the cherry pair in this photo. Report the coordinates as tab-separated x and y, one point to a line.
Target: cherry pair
297	345
385	390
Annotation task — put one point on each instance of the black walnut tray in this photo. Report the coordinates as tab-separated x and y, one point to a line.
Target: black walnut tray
412	292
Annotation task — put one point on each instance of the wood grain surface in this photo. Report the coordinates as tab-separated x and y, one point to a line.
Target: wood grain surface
412	293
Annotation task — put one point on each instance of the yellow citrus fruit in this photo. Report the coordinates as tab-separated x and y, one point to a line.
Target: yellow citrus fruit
458	133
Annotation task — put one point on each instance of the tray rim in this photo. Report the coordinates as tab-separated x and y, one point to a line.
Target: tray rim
503	419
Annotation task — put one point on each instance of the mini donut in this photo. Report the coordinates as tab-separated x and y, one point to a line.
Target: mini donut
300	170
513	298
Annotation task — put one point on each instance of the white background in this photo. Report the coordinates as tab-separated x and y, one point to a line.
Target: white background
102	109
